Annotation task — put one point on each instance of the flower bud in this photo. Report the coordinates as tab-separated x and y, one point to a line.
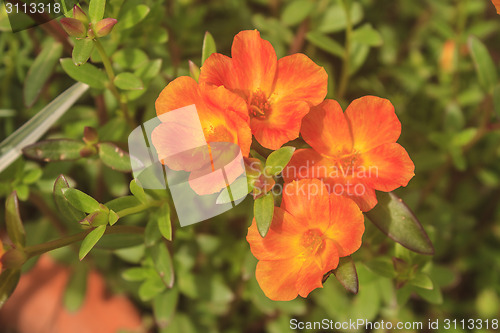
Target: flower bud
104	26
73	27
90	135
194	70
90	33
80	15
13	258
88	151
95	219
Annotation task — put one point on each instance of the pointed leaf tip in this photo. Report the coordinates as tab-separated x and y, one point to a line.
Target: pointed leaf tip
393	217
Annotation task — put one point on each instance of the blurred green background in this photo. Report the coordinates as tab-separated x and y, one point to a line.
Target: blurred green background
435	60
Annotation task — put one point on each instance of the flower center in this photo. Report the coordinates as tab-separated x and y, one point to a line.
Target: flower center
347	164
258	105
312	241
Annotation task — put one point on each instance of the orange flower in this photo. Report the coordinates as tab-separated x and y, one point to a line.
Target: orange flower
496	3
354	153
223	118
278	93
308	234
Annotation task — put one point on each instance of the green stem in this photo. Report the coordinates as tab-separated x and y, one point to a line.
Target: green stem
122	99
38	249
344	79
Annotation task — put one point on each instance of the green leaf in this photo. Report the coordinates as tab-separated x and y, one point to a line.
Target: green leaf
132	254
263	210
485	67
235	191
8	282
82	50
86	73
150	288
54	150
128	81
164	306
130	58
325	43
138	273
40	71
398	222
68	212
113	217
152	233
91	240
335	19
96	10
138	192
149	70
120	241
367	35
346	274
13	221
132	17
382	266
433	296
123	204
296	12
462	138
33	129
81	201
208	47
359	54
164	222
76	289
278	160
163	263
423	281
114	157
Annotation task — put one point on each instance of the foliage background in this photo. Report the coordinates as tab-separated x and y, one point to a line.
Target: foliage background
418	54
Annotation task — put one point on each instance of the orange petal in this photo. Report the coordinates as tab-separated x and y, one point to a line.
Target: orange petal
282	240
278	278
281	126
218	70
363	195
308	201
346	225
254	62
373	122
299	78
308	164
223	115
313	269
222	99
233	117
188	154
326	129
181	92
224	167
390	167
496	3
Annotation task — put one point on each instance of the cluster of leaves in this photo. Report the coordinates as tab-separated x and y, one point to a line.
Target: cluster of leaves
435	60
